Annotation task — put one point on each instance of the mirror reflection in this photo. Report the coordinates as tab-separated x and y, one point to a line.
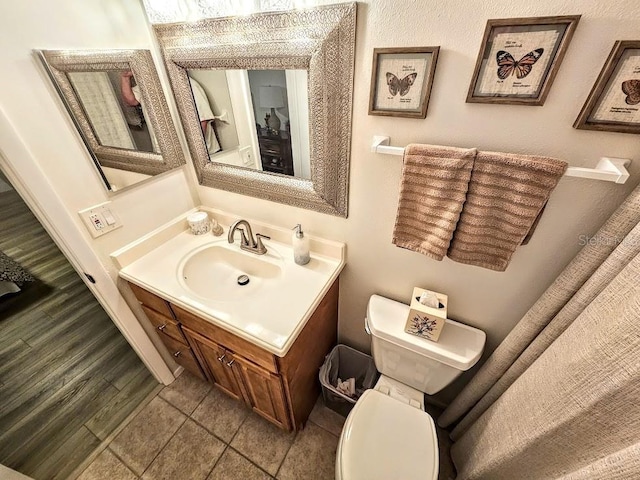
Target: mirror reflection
256	119
113	105
117	105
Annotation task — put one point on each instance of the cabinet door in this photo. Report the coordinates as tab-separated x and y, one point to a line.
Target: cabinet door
220	363
265	392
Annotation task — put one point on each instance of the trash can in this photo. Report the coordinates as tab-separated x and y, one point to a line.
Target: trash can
345	362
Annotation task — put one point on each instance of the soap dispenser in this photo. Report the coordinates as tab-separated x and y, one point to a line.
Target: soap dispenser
300	245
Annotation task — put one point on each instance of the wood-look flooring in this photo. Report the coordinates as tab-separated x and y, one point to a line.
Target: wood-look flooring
67	376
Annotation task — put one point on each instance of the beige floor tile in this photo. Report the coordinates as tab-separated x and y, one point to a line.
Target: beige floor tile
186	392
141	440
312	456
327	418
233	466
107	465
220	414
263	443
189	455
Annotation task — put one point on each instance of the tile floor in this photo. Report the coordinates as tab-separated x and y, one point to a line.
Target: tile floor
191	431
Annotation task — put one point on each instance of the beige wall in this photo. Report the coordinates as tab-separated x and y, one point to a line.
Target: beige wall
489	300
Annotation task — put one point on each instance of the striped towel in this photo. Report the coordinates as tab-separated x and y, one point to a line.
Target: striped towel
507	193
432	191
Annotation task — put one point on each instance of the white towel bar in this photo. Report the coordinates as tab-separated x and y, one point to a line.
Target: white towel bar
608	169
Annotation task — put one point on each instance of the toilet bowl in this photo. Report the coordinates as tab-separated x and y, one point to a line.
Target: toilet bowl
388	435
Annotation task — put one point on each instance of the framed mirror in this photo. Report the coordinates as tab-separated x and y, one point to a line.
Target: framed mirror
265	101
115	100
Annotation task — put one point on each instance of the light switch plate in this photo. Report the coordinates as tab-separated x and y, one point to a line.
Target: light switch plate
100	219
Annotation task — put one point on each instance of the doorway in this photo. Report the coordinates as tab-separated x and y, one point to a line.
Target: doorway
68	377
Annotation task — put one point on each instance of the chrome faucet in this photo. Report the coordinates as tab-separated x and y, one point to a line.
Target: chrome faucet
247	242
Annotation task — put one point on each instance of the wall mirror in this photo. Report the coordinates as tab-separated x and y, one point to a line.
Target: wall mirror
265	102
257	119
116	102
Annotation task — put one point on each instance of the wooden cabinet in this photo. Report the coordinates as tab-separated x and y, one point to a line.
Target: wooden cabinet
161	316
183	355
281	389
275	152
265	392
219	362
165	325
242	379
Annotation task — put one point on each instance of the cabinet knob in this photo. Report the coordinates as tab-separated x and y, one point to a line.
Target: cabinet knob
231	362
221	357
177	354
162	327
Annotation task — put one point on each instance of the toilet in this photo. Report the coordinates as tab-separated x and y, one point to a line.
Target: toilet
388	435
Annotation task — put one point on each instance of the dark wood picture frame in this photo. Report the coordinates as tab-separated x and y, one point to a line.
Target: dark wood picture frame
565	25
400	85
603	87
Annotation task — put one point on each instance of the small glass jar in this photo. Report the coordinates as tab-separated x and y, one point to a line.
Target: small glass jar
199	223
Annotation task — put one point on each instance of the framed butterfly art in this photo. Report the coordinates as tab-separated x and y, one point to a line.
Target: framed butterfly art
519	59
401	81
614	102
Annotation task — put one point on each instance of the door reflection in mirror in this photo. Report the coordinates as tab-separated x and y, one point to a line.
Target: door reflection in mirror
256	119
206	117
112	103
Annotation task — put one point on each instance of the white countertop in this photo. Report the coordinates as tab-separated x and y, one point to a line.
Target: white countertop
270	317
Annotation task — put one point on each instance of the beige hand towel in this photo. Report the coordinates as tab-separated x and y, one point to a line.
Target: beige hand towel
432	191
506	194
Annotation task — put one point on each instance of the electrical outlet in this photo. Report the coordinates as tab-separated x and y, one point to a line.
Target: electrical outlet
100	219
96	221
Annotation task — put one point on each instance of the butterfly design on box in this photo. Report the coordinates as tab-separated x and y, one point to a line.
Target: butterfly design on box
631	89
400	85
507	65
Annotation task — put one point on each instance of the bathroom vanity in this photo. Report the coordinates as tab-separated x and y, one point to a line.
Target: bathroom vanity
262	343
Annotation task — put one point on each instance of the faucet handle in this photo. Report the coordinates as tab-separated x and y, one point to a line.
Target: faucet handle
243	238
260	248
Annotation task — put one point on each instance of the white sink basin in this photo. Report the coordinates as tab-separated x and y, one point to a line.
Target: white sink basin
199	273
212	272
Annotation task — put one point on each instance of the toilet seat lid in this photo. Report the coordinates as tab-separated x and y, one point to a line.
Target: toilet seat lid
384	438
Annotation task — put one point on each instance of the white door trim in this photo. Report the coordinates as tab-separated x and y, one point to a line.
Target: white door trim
22	170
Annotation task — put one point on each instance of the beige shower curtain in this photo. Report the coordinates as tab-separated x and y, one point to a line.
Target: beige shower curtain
560	397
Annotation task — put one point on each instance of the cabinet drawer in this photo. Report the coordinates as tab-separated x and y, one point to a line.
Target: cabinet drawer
183	355
165	325
271	151
152	301
270	144
228	340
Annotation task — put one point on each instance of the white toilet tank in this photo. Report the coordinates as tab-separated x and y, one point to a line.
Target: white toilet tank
422	364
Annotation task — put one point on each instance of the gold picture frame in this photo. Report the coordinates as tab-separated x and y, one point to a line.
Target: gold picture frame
405	88
613	105
519	59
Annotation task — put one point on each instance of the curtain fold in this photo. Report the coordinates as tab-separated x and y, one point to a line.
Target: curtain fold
102	108
621	465
560	397
565	298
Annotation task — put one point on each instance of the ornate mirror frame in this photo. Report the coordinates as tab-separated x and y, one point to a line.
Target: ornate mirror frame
320	40
58	63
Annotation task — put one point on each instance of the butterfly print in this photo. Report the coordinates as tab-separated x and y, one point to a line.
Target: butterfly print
631	88
396	85
508	66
